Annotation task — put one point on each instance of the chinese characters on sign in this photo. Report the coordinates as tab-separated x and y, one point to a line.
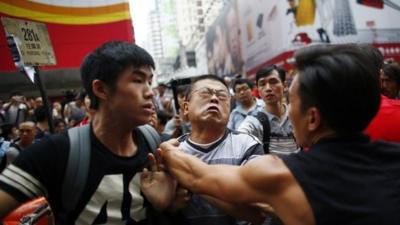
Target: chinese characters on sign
32	39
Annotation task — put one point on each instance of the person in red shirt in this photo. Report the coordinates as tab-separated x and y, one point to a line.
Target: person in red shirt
386	123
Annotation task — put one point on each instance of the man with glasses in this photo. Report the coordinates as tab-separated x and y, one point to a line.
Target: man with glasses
272	125
207	109
248	104
343	179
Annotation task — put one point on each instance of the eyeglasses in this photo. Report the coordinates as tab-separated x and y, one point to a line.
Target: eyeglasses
205	92
242	89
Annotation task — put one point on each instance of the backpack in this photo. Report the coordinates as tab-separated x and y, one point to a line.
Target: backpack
264	120
4	146
77	169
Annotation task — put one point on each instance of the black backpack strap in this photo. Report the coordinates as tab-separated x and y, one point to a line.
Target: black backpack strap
14	145
3	163
264	120
77	169
151	136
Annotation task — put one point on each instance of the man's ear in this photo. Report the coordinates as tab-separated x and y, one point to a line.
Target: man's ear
314	119
185	109
100	89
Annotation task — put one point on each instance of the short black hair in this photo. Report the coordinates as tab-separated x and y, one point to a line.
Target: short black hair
242	81
182	89
266	71
162	117
107	62
392	70
57	121
204	77
81	96
340	81
374	55
40	113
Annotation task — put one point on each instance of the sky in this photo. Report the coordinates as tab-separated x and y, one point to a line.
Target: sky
139	11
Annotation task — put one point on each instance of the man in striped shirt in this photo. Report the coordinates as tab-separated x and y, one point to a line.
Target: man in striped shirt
207	108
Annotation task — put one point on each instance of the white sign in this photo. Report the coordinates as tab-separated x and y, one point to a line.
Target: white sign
34	42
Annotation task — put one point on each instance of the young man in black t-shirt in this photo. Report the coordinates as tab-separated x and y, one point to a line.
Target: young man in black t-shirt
117	77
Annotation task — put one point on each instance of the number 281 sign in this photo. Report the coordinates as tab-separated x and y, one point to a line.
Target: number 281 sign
32	39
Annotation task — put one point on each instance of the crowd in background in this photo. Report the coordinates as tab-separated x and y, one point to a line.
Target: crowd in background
24	120
227	121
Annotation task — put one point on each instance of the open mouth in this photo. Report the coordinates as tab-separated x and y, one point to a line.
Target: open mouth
269	96
212	109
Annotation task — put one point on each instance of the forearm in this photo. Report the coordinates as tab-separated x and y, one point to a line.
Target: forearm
226	182
187	169
201	178
239	211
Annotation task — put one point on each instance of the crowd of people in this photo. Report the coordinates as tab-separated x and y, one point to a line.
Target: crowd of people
297	152
24	121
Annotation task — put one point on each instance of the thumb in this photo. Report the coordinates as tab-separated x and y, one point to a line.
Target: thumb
145	175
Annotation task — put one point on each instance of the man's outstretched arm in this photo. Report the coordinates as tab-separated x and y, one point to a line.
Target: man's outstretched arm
256	181
263	180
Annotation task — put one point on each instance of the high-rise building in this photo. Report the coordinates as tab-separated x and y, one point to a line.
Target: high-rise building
155	37
162	35
193	18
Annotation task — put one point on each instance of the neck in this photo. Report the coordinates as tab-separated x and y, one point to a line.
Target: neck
24	145
277	109
206	135
248	104
322	134
44	126
114	133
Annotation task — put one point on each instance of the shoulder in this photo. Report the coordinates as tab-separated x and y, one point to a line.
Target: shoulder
243	137
236	111
47	150
250	119
272	173
250	122
260	103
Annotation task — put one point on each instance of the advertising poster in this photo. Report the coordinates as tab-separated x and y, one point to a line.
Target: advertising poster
224	50
273	29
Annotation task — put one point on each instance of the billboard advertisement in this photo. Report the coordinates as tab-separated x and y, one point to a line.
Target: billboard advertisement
75	27
224	50
273	29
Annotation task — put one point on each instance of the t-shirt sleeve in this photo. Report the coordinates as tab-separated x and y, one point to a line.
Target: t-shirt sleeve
251	125
38	169
253	152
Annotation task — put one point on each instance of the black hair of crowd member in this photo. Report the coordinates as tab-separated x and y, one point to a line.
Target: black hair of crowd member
374	55
40	113
108	62
392	71
266	71
162	117
242	81
339	80
82	95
